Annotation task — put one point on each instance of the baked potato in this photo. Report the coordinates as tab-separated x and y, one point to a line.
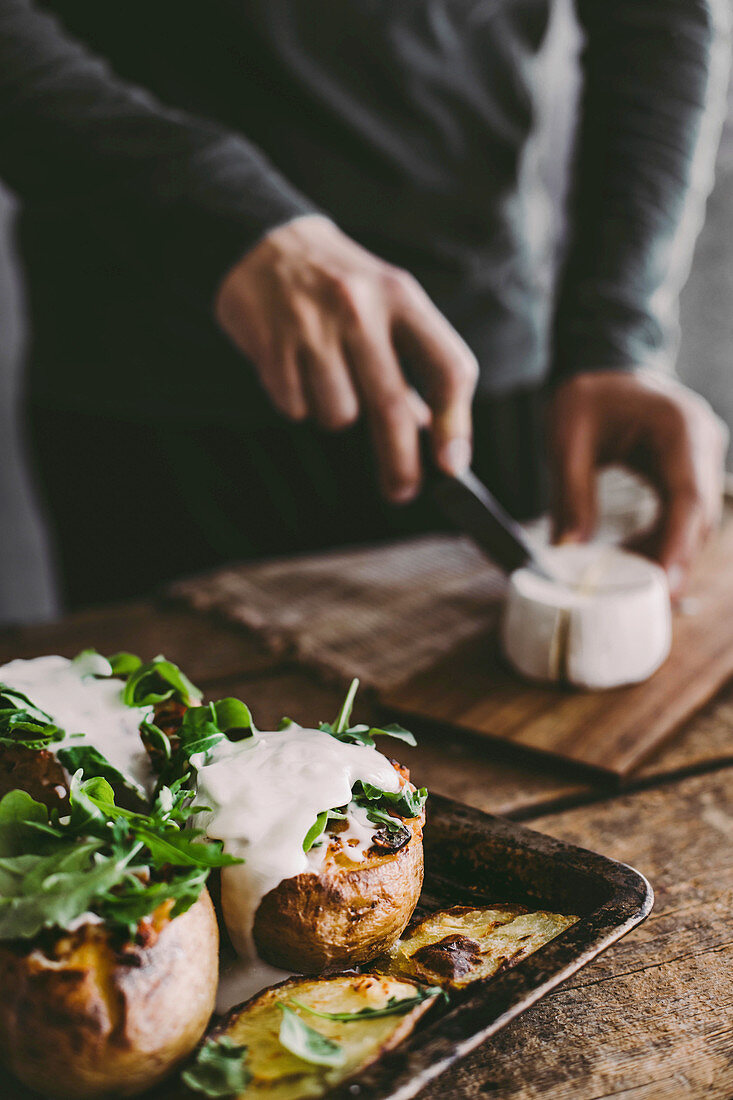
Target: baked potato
346	913
267	1047
454	947
134	711
80	1017
330	831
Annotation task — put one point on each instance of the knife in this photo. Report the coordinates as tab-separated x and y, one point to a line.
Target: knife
474	510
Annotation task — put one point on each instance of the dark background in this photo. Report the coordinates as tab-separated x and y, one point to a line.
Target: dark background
27	590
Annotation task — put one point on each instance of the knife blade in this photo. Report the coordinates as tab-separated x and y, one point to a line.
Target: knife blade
467	503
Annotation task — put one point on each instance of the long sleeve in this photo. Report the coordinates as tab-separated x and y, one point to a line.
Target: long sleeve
152	179
654	81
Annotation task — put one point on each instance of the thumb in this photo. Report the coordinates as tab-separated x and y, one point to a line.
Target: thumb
573	476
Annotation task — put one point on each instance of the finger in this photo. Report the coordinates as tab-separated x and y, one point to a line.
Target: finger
329	391
281	379
688	465
391	412
445	364
573	471
420	410
683	531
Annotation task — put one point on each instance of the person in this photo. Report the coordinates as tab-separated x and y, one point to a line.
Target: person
265	240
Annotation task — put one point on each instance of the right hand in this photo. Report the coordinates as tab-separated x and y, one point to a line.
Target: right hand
327	324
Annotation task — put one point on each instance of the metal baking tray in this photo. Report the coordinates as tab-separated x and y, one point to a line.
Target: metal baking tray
475	858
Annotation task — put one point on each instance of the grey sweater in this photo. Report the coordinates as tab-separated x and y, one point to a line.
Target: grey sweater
152	142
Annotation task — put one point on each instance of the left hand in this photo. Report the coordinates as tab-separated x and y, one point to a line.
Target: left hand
656	427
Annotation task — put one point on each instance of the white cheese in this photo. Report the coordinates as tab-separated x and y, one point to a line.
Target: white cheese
264	794
79	703
608	624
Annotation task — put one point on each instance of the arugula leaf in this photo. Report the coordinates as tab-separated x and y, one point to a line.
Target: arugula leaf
23	723
396	731
94	765
45	891
315	831
395	1006
123	664
98	858
219	1070
305	1042
320	825
343	716
9	696
158	681
155	739
201	729
19	814
232	714
360	734
405	802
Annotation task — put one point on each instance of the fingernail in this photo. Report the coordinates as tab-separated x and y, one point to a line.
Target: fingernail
455	456
403	494
675	578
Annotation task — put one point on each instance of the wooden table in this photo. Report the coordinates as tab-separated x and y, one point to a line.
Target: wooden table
653	1017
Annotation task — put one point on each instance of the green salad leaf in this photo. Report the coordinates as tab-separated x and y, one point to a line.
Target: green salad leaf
395	1006
360	734
201	729
305	1042
156	682
98	858
219	1069
320	825
405	802
94	765
23	723
124	664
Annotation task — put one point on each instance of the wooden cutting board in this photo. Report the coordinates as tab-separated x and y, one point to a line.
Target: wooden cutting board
612	730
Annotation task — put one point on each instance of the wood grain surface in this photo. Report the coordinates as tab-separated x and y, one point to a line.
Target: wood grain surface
613	731
207	650
653	1017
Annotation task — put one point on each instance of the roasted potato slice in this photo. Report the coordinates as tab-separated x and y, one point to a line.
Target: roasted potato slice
278	1074
78	1018
345	914
460	945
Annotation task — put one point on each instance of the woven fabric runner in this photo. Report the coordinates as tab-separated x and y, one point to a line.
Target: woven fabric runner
382	613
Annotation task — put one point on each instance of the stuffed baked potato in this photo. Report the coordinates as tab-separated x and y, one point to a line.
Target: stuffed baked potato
330	831
108	940
345	913
81	1016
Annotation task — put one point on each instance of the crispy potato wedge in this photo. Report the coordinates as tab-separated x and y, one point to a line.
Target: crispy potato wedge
460	945
81	1019
345	914
279	1075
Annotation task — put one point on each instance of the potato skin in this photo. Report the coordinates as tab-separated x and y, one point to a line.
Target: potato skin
97	1022
36	771
343	916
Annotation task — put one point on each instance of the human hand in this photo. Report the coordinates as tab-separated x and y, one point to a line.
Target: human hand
655	426
327	326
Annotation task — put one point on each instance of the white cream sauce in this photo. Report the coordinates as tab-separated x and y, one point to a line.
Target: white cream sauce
264	795
79	703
